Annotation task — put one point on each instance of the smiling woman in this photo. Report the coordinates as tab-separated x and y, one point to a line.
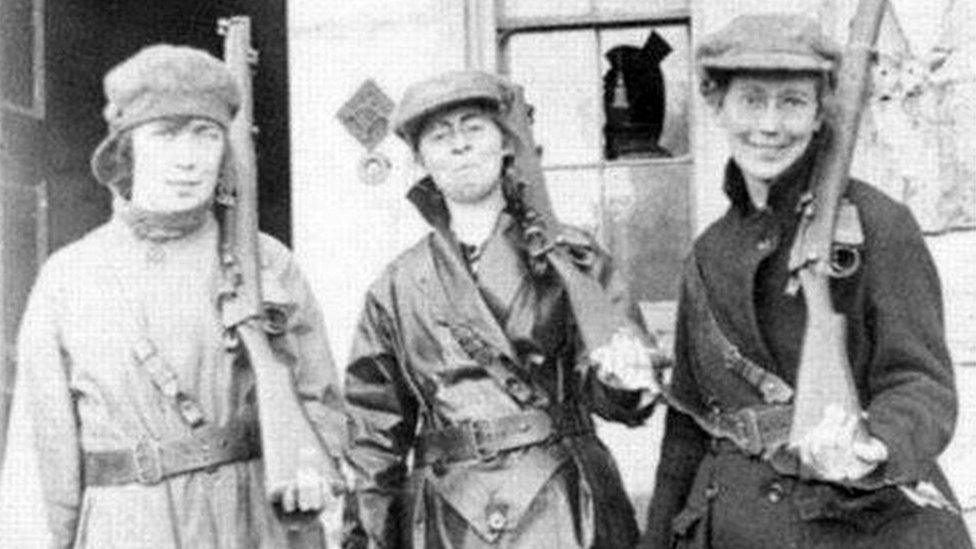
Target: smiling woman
767	77
769	122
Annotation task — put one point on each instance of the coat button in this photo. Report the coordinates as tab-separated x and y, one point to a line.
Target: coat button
774	494
711	491
497	520
766	244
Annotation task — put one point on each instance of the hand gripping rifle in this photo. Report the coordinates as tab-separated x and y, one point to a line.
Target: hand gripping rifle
288	440
824	380
597	318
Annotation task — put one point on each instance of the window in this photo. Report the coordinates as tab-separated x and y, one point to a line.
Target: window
610	81
609	86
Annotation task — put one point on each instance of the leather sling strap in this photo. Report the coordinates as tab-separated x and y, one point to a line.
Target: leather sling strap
496	366
758	429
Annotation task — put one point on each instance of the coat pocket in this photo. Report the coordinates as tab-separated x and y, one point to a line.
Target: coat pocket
492	497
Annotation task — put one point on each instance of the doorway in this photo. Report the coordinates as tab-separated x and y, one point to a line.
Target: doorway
53	56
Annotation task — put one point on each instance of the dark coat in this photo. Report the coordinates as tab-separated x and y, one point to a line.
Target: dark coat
710	495
408	374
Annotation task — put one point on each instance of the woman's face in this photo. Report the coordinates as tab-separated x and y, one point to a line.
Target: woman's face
175	163
463	150
770	121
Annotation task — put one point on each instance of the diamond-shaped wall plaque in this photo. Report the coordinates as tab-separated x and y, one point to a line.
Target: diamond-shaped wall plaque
367	114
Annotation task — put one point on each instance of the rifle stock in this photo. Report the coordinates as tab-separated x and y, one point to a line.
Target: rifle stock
824	378
596	316
289	443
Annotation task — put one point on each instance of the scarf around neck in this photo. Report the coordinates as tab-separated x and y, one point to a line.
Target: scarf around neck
160	226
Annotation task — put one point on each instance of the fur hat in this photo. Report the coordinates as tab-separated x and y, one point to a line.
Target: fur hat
162	81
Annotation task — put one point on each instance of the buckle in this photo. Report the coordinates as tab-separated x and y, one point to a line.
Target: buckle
148	462
480	430
747	421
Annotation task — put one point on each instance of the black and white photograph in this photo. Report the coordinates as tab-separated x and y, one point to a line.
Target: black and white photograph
475	274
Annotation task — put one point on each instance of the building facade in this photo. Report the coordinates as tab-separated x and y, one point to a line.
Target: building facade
628	148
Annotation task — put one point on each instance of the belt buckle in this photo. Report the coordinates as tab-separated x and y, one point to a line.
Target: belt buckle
479	438
148	462
751	434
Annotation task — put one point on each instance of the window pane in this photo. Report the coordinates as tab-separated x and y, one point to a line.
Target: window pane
560	73
635	62
539	8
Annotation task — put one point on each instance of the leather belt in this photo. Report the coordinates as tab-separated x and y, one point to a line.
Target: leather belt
755	430
151	461
486	438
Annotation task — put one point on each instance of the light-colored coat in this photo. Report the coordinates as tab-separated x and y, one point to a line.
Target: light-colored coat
90	303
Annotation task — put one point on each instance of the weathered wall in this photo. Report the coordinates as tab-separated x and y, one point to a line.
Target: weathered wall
345	231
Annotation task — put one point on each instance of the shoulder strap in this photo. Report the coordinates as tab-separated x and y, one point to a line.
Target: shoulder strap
146	354
498	368
772	388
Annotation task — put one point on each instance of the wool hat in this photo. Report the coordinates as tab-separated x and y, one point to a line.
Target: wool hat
162	81
767	42
443	91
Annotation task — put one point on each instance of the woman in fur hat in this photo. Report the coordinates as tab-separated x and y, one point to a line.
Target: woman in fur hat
144	415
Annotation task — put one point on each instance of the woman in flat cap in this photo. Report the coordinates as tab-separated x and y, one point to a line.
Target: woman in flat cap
144	414
768	80
470	419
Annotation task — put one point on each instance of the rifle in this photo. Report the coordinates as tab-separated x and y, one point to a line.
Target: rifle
288	440
824	379
597	318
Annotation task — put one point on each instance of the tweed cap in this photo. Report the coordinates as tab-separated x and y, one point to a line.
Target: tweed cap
444	91
162	81
772	41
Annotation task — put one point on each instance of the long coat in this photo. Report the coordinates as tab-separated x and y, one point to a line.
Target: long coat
408	374
710	495
91	302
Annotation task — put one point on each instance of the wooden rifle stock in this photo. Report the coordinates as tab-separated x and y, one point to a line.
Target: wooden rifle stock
824	379
597	318
288	440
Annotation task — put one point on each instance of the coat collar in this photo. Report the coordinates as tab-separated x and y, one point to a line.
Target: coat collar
429	201
460	293
785	193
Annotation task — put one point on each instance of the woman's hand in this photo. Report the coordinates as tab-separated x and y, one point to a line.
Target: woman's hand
311	491
626	363
839	447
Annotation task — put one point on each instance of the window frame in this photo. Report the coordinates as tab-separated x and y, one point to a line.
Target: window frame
507	27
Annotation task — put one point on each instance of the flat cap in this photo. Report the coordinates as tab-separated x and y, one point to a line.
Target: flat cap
162	81
770	41
445	90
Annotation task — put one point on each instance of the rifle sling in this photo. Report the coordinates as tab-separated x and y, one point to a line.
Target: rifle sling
756	429
770	386
496	366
